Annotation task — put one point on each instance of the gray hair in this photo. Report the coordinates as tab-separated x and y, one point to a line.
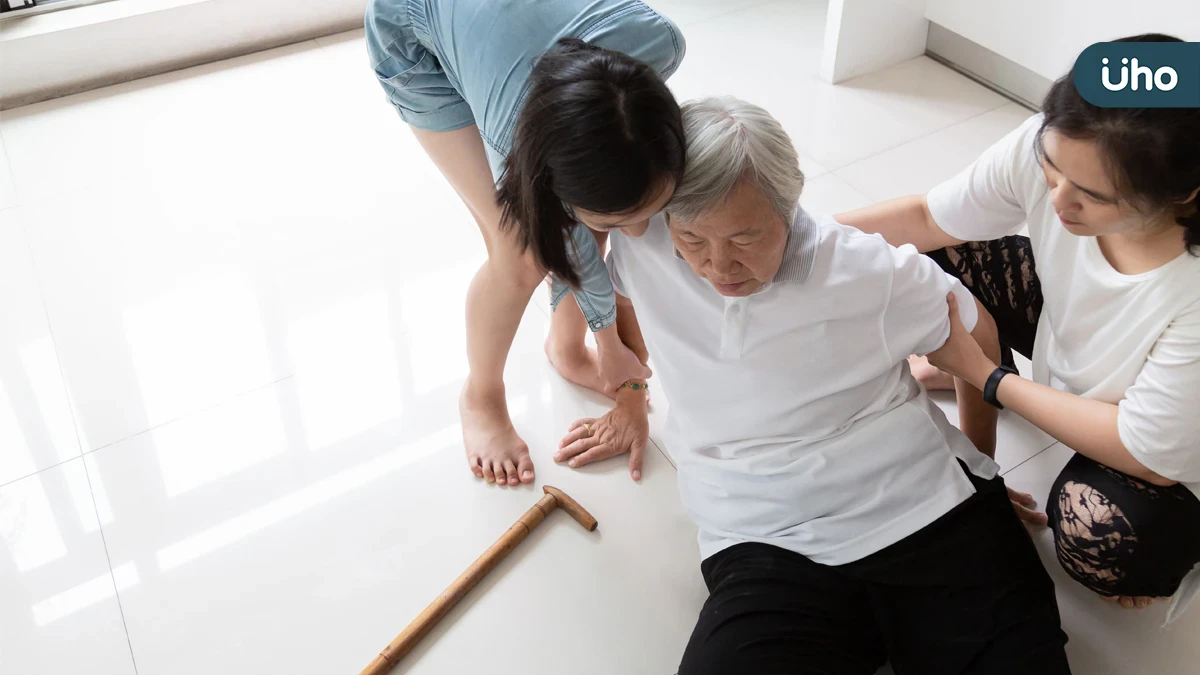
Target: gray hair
729	139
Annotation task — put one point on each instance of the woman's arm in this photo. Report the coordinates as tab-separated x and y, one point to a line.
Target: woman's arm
977	417
629	330
905	220
1087	426
914	321
626	428
597	301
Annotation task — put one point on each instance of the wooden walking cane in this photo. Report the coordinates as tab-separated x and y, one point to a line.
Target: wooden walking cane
405	641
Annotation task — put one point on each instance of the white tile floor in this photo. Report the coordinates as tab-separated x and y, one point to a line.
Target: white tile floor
231	341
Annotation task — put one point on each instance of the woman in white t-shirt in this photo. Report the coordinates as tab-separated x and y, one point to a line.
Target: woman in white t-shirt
1104	297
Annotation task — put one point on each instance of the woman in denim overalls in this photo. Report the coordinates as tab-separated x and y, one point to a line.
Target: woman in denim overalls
542	115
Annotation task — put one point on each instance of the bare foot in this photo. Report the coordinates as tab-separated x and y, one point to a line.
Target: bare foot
929	375
494	450
1131	601
577	363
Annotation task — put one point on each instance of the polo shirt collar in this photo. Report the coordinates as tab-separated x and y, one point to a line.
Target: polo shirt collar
801	250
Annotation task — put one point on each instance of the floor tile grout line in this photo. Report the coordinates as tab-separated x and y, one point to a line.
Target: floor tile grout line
664	453
78	439
41	470
544	308
62	378
1022	462
922	137
225	401
912	140
111	574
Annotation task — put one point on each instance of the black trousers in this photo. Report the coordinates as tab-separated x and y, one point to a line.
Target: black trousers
1113	533
965	595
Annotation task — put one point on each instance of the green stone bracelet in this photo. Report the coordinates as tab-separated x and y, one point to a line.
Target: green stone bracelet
635	386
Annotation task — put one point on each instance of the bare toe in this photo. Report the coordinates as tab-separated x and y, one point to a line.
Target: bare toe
501	475
510	470
525	467
488	474
476	469
1130	601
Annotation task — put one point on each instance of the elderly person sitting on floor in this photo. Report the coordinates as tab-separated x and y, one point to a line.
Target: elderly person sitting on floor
843	521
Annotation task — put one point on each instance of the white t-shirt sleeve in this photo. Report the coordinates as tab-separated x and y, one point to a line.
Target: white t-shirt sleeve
917	317
1158	419
992	197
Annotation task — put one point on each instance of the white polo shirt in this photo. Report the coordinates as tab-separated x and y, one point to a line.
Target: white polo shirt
793	418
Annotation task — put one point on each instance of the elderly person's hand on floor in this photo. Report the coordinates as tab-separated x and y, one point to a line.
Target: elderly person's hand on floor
624	429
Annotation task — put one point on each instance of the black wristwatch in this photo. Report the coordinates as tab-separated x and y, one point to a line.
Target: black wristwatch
993	383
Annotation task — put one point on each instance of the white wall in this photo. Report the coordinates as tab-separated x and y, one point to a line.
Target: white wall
862	36
82	48
1046	36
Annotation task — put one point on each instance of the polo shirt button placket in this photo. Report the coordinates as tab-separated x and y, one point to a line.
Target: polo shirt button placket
734	328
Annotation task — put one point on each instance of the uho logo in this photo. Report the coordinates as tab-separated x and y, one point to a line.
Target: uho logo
1140	74
1154	78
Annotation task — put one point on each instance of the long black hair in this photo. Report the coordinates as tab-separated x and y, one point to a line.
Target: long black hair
1153	154
599	130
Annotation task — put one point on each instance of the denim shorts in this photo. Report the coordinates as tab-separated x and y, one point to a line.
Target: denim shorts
446	64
